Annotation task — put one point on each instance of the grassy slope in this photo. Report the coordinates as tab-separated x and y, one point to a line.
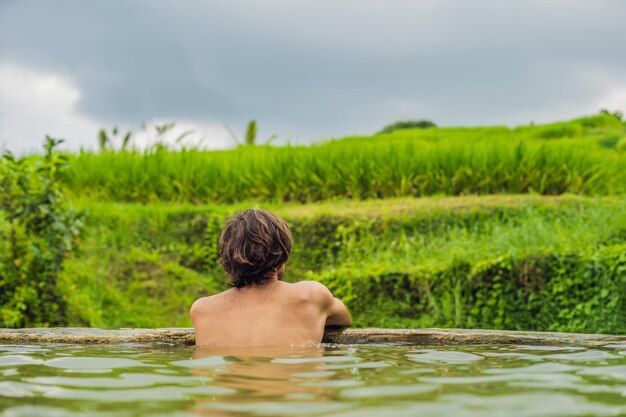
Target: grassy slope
502	261
143	265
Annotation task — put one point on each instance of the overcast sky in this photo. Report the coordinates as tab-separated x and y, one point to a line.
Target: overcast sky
305	69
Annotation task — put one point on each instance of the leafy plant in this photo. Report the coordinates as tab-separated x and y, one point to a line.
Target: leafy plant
250	138
159	138
40	230
106	140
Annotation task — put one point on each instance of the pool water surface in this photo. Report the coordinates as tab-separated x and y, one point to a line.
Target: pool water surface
329	380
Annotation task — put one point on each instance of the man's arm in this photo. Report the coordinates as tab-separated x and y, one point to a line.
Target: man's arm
336	312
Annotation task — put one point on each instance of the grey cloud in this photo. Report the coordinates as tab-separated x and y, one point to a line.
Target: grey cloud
319	68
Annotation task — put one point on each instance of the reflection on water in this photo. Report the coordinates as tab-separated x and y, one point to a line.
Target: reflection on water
137	380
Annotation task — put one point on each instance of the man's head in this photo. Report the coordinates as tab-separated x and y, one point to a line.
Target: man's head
254	246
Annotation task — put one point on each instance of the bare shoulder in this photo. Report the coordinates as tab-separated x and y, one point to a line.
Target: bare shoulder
316	290
311	286
202	305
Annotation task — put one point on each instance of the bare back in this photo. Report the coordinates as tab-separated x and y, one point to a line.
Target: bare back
273	313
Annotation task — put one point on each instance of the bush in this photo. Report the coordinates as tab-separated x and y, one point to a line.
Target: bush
38	233
408	124
548	292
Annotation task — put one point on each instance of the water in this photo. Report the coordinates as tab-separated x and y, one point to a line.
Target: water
135	380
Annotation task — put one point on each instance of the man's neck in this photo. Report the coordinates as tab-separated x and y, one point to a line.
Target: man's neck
266	283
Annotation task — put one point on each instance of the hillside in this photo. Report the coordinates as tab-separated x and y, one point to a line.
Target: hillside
491	227
513	262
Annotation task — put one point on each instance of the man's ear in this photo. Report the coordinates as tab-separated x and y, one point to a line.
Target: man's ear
281	272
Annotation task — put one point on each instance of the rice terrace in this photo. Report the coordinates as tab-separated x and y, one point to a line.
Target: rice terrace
515	228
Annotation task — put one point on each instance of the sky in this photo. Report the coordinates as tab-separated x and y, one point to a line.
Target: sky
306	70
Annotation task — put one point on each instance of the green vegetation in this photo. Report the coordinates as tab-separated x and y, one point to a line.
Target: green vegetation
38	231
250	138
512	262
521	228
550	159
408	124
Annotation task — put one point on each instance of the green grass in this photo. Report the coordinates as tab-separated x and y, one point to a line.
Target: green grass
571	157
396	262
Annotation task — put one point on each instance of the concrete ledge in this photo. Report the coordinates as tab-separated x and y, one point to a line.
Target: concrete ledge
424	337
466	337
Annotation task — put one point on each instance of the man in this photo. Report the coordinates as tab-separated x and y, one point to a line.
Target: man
261	309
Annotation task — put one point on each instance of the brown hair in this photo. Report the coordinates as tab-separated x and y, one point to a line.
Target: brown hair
253	246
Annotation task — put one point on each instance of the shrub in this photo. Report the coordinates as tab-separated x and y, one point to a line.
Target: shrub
408	124
570	292
40	230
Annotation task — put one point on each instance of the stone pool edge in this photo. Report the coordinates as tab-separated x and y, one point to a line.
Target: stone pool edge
424	337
